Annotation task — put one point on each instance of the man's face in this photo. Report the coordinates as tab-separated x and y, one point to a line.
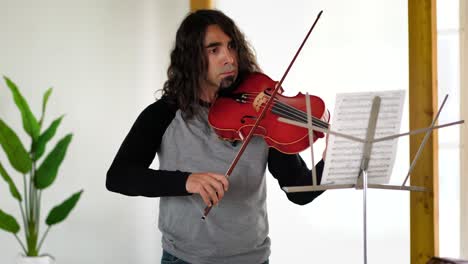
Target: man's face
221	55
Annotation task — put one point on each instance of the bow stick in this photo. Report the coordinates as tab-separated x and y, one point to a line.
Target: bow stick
262	113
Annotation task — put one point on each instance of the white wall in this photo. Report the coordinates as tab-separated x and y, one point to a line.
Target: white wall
463	8
448	60
356	46
104	59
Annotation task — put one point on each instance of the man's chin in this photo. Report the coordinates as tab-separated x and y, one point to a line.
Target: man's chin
227	81
227	86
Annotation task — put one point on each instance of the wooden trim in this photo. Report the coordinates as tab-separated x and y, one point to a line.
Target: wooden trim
463	130
422	41
201	4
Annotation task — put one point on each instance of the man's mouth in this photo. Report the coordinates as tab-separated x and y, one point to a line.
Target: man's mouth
228	73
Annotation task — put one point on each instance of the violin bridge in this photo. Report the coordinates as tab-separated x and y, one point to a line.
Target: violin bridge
259	101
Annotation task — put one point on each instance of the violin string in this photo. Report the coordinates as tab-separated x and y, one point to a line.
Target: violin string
302	114
295	112
303	118
283	111
292	112
299	113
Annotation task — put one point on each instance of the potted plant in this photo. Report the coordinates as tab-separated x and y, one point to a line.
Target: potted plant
36	177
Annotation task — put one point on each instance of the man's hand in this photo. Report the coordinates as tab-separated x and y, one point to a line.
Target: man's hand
210	186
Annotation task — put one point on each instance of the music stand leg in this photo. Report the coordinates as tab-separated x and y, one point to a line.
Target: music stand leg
364	209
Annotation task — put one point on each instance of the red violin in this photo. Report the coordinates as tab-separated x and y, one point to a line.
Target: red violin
233	116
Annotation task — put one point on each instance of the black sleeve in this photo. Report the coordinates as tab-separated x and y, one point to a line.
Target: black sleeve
291	170
129	173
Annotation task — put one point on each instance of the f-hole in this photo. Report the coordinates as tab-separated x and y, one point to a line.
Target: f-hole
244	118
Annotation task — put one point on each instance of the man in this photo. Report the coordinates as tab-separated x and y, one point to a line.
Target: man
210	56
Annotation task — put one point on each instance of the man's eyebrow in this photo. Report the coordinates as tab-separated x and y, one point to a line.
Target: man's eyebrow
213	44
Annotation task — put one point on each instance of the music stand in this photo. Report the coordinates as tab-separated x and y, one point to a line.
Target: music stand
362	178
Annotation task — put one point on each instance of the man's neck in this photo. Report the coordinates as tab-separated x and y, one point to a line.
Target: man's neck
208	94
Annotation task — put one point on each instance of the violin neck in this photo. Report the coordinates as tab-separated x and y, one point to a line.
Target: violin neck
295	114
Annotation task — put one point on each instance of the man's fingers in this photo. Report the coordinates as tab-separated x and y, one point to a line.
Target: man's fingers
210	186
205	197
211	194
218	186
222	179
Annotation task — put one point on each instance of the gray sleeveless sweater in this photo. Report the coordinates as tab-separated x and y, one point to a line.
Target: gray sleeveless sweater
236	230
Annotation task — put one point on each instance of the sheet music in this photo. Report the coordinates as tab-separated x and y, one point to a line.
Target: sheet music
351	116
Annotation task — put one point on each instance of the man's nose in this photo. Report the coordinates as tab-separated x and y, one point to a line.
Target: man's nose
228	56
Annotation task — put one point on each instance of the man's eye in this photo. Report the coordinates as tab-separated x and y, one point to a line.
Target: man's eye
213	50
232	45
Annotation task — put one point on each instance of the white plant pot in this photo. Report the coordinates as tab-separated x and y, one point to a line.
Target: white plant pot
43	259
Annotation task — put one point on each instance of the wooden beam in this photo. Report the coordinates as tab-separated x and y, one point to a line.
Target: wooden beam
422	41
201	4
463	130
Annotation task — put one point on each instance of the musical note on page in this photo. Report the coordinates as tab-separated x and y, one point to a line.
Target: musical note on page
351	117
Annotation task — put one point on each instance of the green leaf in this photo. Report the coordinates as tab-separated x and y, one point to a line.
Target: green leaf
44	104
39	146
14	149
10	182
60	212
30	124
47	172
8	223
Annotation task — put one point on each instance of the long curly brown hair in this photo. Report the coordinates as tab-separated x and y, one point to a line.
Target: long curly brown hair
189	63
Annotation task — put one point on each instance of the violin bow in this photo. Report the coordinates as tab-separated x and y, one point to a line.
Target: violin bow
262	113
